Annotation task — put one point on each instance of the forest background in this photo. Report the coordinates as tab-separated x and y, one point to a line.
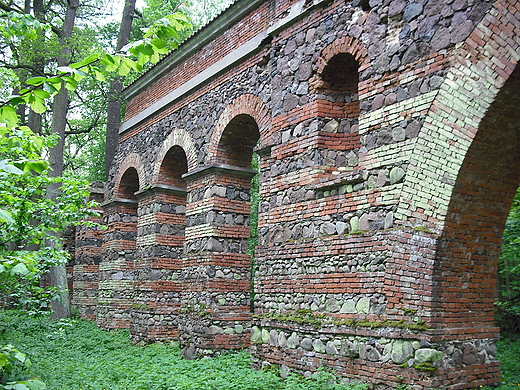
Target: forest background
63	64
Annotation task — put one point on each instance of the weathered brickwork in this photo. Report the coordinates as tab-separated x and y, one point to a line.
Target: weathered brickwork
88	239
388	146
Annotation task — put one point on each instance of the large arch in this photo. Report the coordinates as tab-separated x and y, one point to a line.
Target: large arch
457	191
468	250
475	79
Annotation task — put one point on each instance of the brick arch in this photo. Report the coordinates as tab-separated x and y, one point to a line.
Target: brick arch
464	174
247	104
178	137
133	160
462	103
342	45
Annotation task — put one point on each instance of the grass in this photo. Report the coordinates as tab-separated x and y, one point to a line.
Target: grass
75	355
509	356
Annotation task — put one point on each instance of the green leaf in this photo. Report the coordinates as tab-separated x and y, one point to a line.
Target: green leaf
20	269
5	216
15	100
99	74
123	69
111	63
9	168
37	104
54	80
87	61
18	386
36	166
128	62
3	360
42	94
35	81
159	43
155	58
50	88
8	115
70	83
145	49
36	384
18	355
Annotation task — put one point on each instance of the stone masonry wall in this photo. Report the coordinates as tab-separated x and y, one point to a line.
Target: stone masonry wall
388	150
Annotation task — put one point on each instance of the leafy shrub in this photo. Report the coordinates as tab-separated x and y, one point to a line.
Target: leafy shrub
508	305
74	354
12	362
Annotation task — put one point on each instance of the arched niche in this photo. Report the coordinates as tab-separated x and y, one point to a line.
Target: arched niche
238	139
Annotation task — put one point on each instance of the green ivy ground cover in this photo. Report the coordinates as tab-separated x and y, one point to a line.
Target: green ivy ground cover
75	355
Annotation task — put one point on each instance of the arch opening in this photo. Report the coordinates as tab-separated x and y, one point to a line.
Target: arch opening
237	141
128	185
161	239
465	273
340	84
174	165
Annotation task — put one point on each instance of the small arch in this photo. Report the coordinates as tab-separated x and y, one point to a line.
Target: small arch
249	105
177	156
173	166
237	142
182	139
345	45
337	78
128	185
129	177
341	73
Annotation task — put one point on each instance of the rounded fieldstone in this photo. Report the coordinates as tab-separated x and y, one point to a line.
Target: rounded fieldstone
265	336
412	11
401	351
318	346
363	305
282	340
348	307
306	344
341	227
427	355
363	223
327	228
370	353
378	101
333	306
331	349
293	341
396	175
396	7
273	338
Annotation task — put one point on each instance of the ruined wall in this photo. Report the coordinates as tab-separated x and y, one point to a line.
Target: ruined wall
382	196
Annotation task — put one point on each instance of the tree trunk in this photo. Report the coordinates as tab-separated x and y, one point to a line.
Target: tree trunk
58	274
114	102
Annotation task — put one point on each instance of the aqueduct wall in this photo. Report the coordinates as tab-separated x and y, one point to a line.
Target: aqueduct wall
388	142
